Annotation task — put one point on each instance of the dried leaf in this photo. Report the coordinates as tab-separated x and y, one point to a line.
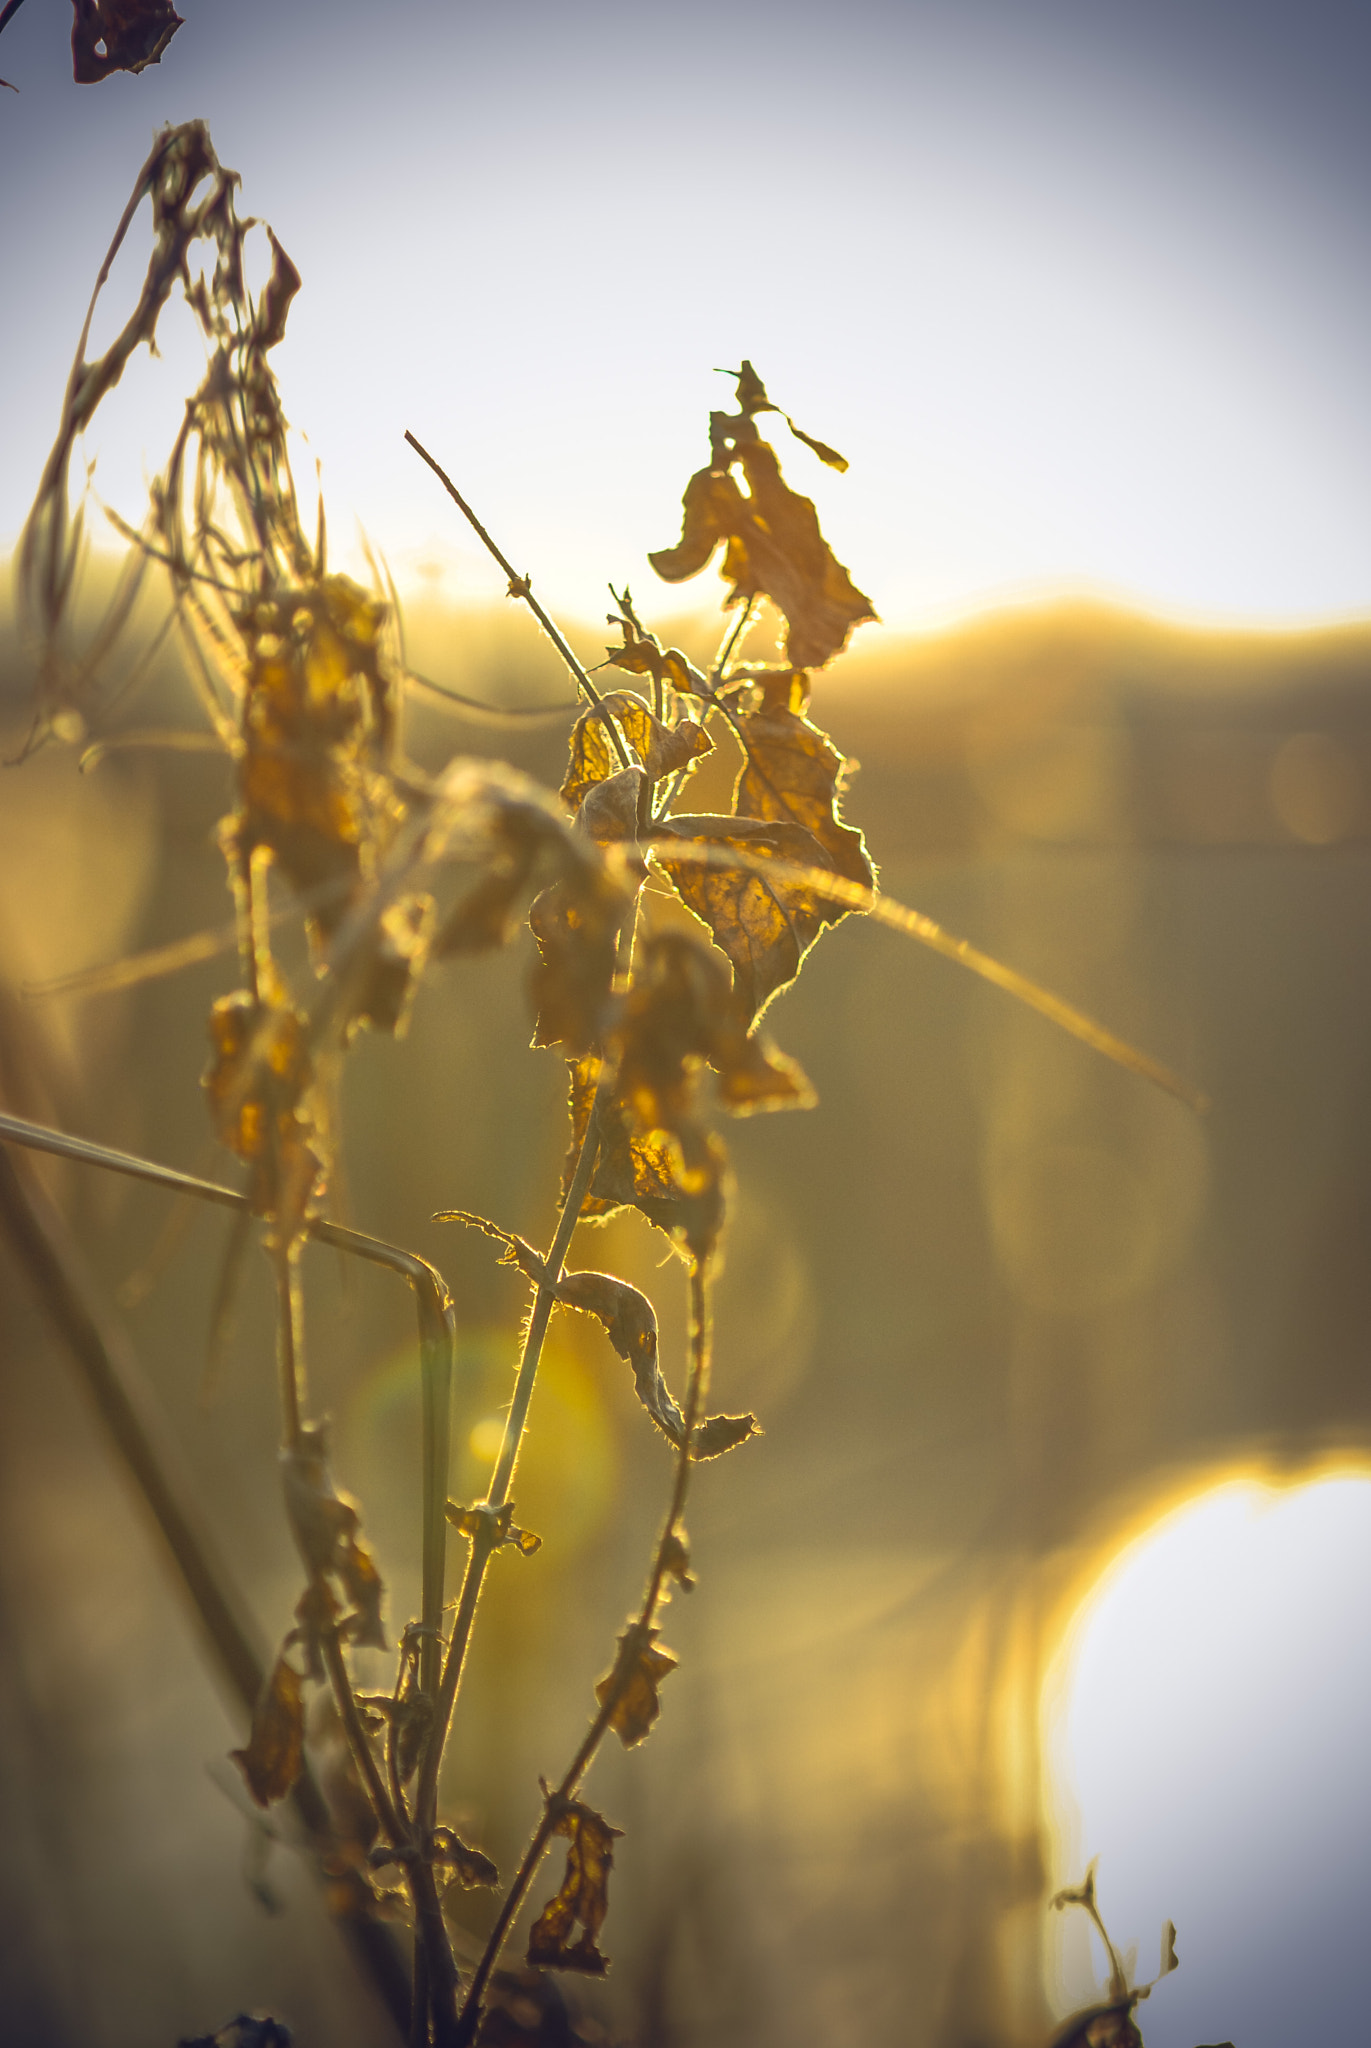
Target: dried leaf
720	1433
119	35
472	1869
469	1520
576	924
787	806
317	732
630	1323
752	399
642	654
632	1685
774	546
794	774
1100	2026
357	1570
676	1560
1170	1960
324	1523
660	748
764	927
260	1084
584	1895
275	1754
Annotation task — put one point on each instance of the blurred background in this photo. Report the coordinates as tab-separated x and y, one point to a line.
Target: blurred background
1011	1319
1056	1543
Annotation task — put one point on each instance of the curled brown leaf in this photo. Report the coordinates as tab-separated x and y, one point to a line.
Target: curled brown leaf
275	1753
583	1897
629	1690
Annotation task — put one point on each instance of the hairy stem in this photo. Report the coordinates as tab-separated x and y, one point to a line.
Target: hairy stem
289	1341
485	1539
730	641
520	586
555	1801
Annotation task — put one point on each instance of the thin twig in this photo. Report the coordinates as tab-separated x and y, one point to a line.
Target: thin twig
486	1536
521	586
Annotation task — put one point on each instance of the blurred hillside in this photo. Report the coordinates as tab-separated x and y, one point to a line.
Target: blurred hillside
990	1300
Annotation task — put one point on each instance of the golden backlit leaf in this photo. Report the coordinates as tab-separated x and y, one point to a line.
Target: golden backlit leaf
275	1753
472	1869
576	925
642	654
792	771
661	748
774	548
678	1015
262	1097
752	399
317	728
632	1685
764	927
630	1323
583	1898
119	35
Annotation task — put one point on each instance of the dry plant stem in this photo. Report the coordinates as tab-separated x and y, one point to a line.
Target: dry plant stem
289	1346
696	1394
484	1541
731	640
519	586
111	1375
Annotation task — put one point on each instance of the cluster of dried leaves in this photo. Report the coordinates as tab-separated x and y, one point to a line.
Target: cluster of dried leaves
393	872
661	935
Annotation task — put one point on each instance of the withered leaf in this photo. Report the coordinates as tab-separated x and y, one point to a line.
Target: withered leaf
631	1326
520	836
720	1433
275	1753
469	1520
630	1323
119	35
654	1152
583	1898
324	1523
260	1085
787	805
792	772
774	549
357	1570
472	1869
660	748
632	1685
317	728
752	399
676	1560
642	654
576	926
764	926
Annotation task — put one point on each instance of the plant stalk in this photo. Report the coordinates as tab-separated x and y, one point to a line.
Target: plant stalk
520	586
554	1802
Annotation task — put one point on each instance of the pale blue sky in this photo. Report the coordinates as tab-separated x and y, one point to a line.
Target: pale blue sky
1081	288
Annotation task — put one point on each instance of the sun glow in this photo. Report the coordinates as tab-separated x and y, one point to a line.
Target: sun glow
1204	1726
